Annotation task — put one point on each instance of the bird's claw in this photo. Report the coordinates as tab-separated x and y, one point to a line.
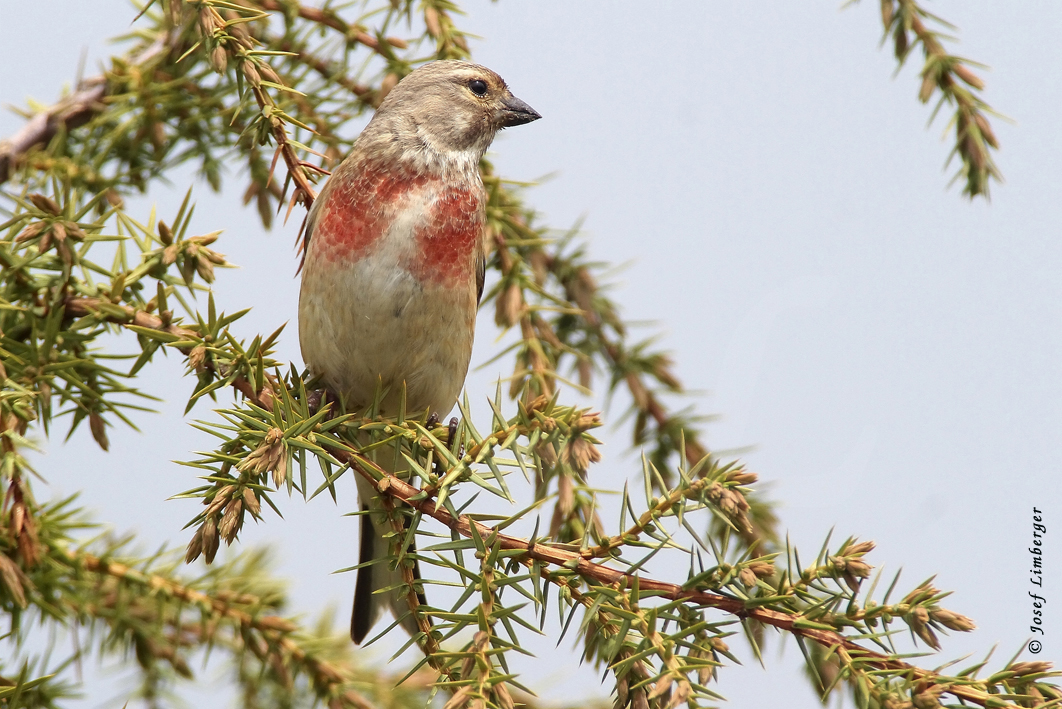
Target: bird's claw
321	397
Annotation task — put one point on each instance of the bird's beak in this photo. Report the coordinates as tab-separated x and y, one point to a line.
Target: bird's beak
514	112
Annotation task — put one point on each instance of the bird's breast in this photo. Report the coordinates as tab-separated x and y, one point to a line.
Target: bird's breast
426	225
389	285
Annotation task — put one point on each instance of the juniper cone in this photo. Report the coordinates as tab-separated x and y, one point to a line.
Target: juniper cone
394	265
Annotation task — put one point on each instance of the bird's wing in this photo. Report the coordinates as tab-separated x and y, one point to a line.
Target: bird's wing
306	232
481	274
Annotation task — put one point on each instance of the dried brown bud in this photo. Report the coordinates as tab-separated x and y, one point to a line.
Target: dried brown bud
114	199
1021	669
741	477
894	702
580	453
197	358
44	203
18	517
747	577
98	428
165	233
205	239
974	153
269	455
929	84
169	255
460	698
639	700
213	256
917	620
539	403
270	75
502	697
220	499
857	568
886	13
952	621
195	547
205	269
251	72
858	549
586	370
431	21
546	453
230	522
539	265
250	501
31	231
731	503
210	539
622	686
968	76
265	209
65	254
587	421
75	232
928	698
508	306
208	20
219	59
158	135
13	579
986	130
923	592
762	568
679	694
900	42
388	83
280	473
638	391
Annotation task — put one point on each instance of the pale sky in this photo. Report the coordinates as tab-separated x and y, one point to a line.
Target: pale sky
892	351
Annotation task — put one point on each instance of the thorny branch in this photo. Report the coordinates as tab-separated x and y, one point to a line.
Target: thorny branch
81	306
389	484
71	112
957	84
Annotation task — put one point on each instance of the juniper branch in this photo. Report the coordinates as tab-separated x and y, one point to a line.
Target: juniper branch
386	483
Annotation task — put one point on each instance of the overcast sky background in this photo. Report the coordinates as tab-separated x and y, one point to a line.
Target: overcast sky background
891	350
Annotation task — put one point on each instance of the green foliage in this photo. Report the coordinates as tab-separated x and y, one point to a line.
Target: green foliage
270	83
908	25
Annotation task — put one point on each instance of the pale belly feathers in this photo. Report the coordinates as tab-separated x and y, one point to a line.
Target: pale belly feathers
369	321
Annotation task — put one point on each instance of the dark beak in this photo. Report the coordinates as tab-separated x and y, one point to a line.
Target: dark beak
515	112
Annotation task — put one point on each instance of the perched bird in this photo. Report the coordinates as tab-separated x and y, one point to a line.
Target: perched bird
393	268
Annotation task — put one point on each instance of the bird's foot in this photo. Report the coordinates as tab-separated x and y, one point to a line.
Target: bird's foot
322	397
451	436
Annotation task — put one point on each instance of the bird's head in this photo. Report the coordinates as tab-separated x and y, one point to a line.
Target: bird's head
451	107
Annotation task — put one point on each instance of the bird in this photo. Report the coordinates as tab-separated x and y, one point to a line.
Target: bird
393	271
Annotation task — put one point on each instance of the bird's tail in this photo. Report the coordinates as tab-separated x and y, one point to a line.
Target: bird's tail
369	597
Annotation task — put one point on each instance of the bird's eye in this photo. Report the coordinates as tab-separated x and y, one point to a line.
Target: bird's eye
478	87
